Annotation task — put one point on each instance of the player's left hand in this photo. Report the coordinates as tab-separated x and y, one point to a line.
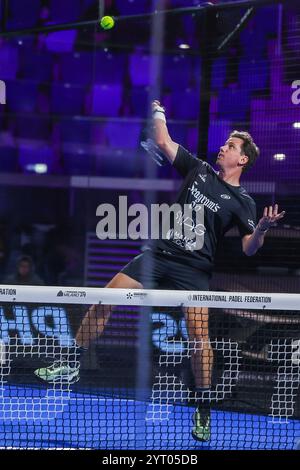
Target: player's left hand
270	218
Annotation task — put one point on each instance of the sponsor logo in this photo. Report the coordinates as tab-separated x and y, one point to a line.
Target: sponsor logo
200	198
8	291
139	295
71	293
225	196
202	177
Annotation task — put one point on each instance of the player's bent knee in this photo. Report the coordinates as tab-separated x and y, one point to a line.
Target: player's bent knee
122	281
102	310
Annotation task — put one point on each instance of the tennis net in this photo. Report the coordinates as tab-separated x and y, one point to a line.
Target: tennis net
148	369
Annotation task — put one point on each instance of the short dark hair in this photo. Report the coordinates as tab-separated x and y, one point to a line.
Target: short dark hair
249	148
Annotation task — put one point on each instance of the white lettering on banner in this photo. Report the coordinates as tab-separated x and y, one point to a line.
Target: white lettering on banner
2	92
21	324
296	93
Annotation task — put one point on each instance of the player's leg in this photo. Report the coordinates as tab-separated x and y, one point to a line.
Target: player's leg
185	277
202	364
143	269
66	369
201	351
97	316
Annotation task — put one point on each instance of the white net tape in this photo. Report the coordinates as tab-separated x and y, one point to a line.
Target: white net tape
162	298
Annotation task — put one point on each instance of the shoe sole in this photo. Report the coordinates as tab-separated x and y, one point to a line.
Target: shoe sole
60	379
199	438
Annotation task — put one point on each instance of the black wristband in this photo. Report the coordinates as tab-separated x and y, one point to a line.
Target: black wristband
161	110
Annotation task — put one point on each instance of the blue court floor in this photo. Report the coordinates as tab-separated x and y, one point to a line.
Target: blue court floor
39	418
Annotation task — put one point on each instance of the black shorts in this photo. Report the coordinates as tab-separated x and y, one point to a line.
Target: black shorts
166	273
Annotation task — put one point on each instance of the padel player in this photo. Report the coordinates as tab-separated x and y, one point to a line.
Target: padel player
226	205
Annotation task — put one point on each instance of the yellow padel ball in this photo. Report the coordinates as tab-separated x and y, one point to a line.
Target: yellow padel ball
107	22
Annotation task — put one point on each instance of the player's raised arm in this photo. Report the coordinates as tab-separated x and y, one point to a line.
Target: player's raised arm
252	243
160	132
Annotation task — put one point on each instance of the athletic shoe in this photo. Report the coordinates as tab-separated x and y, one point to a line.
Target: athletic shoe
58	372
201	429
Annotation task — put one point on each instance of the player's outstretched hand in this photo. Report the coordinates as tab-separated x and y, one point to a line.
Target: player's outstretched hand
270	218
156	106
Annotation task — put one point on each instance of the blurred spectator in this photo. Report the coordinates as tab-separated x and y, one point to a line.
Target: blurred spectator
24	274
44	15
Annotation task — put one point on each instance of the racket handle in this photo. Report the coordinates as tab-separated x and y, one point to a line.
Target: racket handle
154	151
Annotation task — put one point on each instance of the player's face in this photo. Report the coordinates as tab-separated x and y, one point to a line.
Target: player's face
231	154
24	268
